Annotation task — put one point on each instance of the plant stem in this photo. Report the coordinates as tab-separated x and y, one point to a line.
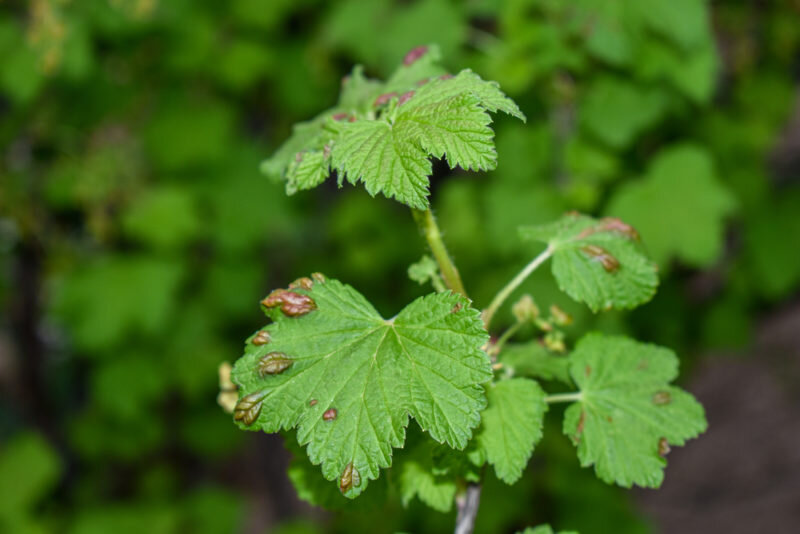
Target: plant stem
468	504
563	397
501	341
427	224
504	293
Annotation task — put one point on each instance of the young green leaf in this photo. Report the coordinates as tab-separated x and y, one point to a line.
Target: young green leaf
598	262
628	414
534	360
512	425
353	378
385	134
419	479
545	529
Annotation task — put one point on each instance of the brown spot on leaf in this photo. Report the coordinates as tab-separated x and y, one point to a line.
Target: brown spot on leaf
350	478
601	255
273	363
340	116
319	277
303	283
579	430
446	76
298	157
661	398
587	370
663	447
414	54
262	338
612	224
248	408
329	415
313	402
291	303
643	365
609	419
457	308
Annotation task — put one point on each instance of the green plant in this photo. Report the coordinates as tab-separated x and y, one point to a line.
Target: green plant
347	379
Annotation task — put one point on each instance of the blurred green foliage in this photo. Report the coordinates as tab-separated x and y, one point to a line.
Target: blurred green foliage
137	235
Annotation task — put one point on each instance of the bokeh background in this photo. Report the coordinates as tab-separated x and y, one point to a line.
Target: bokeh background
137	237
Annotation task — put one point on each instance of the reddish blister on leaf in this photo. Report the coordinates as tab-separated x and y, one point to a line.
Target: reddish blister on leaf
414	54
262	338
405	97
291	304
350	478
273	363
329	415
602	256
383	99
248	408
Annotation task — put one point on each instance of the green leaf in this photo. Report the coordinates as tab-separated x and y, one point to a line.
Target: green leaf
628	413
164	217
534	360
599	262
426	270
512	425
419	479
545	529
349	379
617	111
680	207
29	469
385	139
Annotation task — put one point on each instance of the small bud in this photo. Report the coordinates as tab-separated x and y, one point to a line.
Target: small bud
525	309
273	363
663	447
329	415
554	343
383	99
350	478
318	277
661	398
609	262
405	97
262	338
248	408
560	317
303	283
414	54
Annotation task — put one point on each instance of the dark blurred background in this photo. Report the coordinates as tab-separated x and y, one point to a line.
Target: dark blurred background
137	237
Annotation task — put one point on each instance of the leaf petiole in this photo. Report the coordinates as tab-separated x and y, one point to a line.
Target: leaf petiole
504	293
564	397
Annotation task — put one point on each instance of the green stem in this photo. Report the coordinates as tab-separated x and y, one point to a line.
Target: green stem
564	397
427	224
501	341
504	293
